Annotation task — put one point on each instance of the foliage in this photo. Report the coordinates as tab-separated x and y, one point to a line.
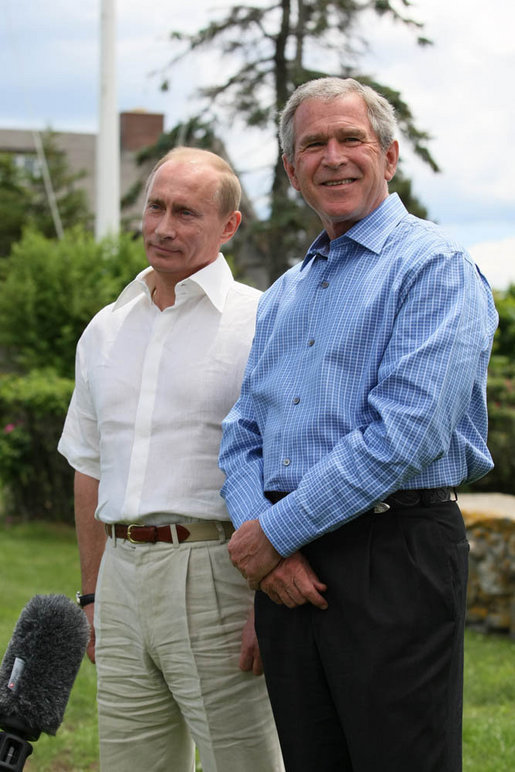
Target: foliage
36	481
501	400
269	46
51	289
504	344
24	200
501	427
70	200
14	203
403	187
273	48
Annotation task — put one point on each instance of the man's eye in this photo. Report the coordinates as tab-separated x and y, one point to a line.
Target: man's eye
352	141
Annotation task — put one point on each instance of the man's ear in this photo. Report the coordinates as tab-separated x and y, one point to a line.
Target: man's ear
231	226
290	171
392	157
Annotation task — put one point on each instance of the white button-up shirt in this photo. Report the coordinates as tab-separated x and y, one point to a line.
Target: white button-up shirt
151	390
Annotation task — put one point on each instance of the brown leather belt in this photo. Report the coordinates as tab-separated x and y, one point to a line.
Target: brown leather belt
405	498
208	530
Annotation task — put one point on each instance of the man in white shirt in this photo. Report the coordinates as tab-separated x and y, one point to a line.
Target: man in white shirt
157	371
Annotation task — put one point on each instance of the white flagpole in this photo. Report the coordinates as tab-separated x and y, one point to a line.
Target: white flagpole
107	220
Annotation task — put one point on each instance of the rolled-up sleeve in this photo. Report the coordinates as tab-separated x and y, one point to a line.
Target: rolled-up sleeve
79	442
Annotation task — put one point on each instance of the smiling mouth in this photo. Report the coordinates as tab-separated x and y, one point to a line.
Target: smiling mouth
337	183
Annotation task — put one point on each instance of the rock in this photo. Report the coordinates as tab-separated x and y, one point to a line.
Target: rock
490	522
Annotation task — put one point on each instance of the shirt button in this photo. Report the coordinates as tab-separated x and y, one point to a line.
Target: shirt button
324	284
296	400
311	342
286	462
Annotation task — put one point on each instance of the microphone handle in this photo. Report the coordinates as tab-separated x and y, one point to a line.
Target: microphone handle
13	752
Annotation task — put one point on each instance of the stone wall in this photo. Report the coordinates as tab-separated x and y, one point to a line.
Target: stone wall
490	522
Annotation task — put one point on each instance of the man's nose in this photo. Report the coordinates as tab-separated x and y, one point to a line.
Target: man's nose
165	228
334	154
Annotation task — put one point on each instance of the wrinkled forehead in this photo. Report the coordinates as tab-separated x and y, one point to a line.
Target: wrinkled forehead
322	116
186	175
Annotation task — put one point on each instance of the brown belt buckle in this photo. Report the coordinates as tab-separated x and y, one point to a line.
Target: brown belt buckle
129	537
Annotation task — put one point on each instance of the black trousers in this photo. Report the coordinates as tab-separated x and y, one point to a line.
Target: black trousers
375	682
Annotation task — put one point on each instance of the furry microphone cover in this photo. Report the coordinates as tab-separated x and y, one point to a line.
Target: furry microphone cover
40	665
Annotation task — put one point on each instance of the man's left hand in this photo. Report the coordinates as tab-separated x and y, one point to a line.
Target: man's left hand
251	552
293	583
250	657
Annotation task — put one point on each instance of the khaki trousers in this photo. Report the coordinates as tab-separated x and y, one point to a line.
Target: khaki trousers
168	622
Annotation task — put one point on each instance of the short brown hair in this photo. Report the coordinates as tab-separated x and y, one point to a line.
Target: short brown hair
229	190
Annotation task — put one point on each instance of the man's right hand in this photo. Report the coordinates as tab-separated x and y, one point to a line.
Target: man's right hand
293	582
90	650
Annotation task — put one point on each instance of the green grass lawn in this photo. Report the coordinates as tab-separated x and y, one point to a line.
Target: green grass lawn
489	704
41	558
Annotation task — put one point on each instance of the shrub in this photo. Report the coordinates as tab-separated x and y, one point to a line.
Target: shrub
37	481
501	427
501	400
51	289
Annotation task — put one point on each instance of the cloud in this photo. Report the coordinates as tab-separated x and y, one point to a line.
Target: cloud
459	89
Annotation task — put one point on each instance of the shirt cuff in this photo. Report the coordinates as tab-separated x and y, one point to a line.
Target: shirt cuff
286	526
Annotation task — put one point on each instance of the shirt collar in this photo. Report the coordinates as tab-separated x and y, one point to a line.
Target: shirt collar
371	232
214	281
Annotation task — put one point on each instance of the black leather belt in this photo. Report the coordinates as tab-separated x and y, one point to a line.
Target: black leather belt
423	497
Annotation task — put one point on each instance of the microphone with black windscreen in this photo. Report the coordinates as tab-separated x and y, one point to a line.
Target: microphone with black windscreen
37	673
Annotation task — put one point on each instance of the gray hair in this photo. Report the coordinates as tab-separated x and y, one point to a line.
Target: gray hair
380	112
228	193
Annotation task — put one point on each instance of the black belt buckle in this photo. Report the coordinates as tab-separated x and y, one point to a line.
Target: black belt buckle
437	496
424	497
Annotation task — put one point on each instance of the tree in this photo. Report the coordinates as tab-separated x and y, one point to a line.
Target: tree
15	201
71	200
504	342
273	48
23	196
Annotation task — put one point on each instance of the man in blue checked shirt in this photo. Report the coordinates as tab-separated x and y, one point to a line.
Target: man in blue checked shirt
362	408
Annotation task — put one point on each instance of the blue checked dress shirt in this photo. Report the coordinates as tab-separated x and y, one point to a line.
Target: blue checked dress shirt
367	375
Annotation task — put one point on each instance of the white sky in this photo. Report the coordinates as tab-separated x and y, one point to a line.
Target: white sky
460	91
